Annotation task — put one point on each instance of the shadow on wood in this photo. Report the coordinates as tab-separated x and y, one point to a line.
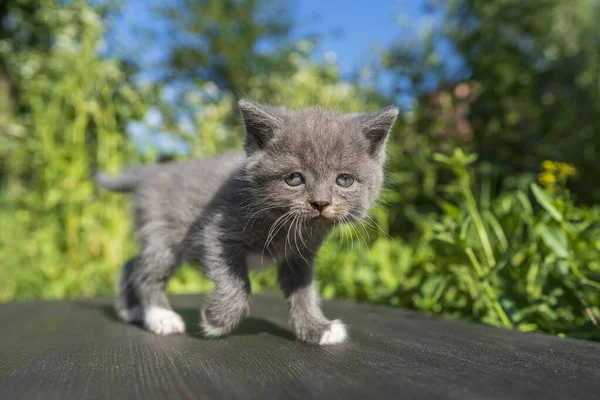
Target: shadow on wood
191	316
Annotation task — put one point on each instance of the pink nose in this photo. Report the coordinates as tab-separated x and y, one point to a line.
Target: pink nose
319	205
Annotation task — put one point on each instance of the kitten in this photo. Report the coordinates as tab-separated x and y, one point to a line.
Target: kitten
303	170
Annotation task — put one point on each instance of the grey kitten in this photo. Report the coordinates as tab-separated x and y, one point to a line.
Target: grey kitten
303	170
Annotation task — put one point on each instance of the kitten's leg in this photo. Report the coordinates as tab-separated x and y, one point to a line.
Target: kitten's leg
141	292
212	247
308	321
228	303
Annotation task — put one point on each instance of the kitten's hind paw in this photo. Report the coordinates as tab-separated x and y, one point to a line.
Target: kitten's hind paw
334	334
210	330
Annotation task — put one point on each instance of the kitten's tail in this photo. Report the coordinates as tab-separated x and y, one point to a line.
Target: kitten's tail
124	183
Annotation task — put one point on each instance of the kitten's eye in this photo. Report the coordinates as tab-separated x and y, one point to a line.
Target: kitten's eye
344	180
294	179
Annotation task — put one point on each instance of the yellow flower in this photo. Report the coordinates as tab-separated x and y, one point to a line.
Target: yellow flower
547	178
566	169
548	165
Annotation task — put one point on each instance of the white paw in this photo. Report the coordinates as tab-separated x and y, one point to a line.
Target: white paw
210	330
163	321
336	333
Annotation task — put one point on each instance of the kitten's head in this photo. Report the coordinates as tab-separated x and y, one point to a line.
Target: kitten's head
315	163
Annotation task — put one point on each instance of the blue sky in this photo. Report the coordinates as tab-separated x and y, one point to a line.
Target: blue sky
352	29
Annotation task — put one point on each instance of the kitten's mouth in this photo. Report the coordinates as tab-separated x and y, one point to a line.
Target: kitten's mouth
321	216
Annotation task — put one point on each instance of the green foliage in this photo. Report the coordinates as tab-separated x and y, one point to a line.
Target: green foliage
533	70
57	239
529	264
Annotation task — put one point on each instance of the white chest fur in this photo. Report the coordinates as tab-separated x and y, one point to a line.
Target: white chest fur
258	260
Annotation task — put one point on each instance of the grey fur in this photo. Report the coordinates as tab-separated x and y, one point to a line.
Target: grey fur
218	211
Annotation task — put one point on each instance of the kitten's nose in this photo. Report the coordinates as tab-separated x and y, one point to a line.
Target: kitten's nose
319	205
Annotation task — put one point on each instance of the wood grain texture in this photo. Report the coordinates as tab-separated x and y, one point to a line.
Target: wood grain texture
78	350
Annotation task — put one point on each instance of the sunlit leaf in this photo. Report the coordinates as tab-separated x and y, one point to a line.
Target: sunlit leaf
545	201
555	239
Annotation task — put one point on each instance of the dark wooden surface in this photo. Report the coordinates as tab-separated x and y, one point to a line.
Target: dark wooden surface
78	350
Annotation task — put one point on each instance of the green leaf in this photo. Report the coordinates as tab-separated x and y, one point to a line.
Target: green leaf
442	159
563	267
430	285
496	228
448	250
458	159
465	227
555	239
470	159
525	203
533	285
450	209
544	199
445	237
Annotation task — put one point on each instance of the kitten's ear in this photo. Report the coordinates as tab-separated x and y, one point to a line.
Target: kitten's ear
261	122
376	127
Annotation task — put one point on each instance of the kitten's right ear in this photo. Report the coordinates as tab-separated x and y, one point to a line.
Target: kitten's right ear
376	127
261	122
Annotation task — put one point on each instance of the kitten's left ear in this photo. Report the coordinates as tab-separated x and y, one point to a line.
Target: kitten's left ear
376	127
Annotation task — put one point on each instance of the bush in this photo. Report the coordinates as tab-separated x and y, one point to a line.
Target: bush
57	240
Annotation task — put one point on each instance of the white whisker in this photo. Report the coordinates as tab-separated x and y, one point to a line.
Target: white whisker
275	228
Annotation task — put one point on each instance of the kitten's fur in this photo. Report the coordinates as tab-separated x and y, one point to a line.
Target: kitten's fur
231	211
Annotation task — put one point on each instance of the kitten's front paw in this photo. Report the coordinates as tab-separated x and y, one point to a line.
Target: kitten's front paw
334	334
163	321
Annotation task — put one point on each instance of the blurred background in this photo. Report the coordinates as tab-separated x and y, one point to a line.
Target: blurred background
492	202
